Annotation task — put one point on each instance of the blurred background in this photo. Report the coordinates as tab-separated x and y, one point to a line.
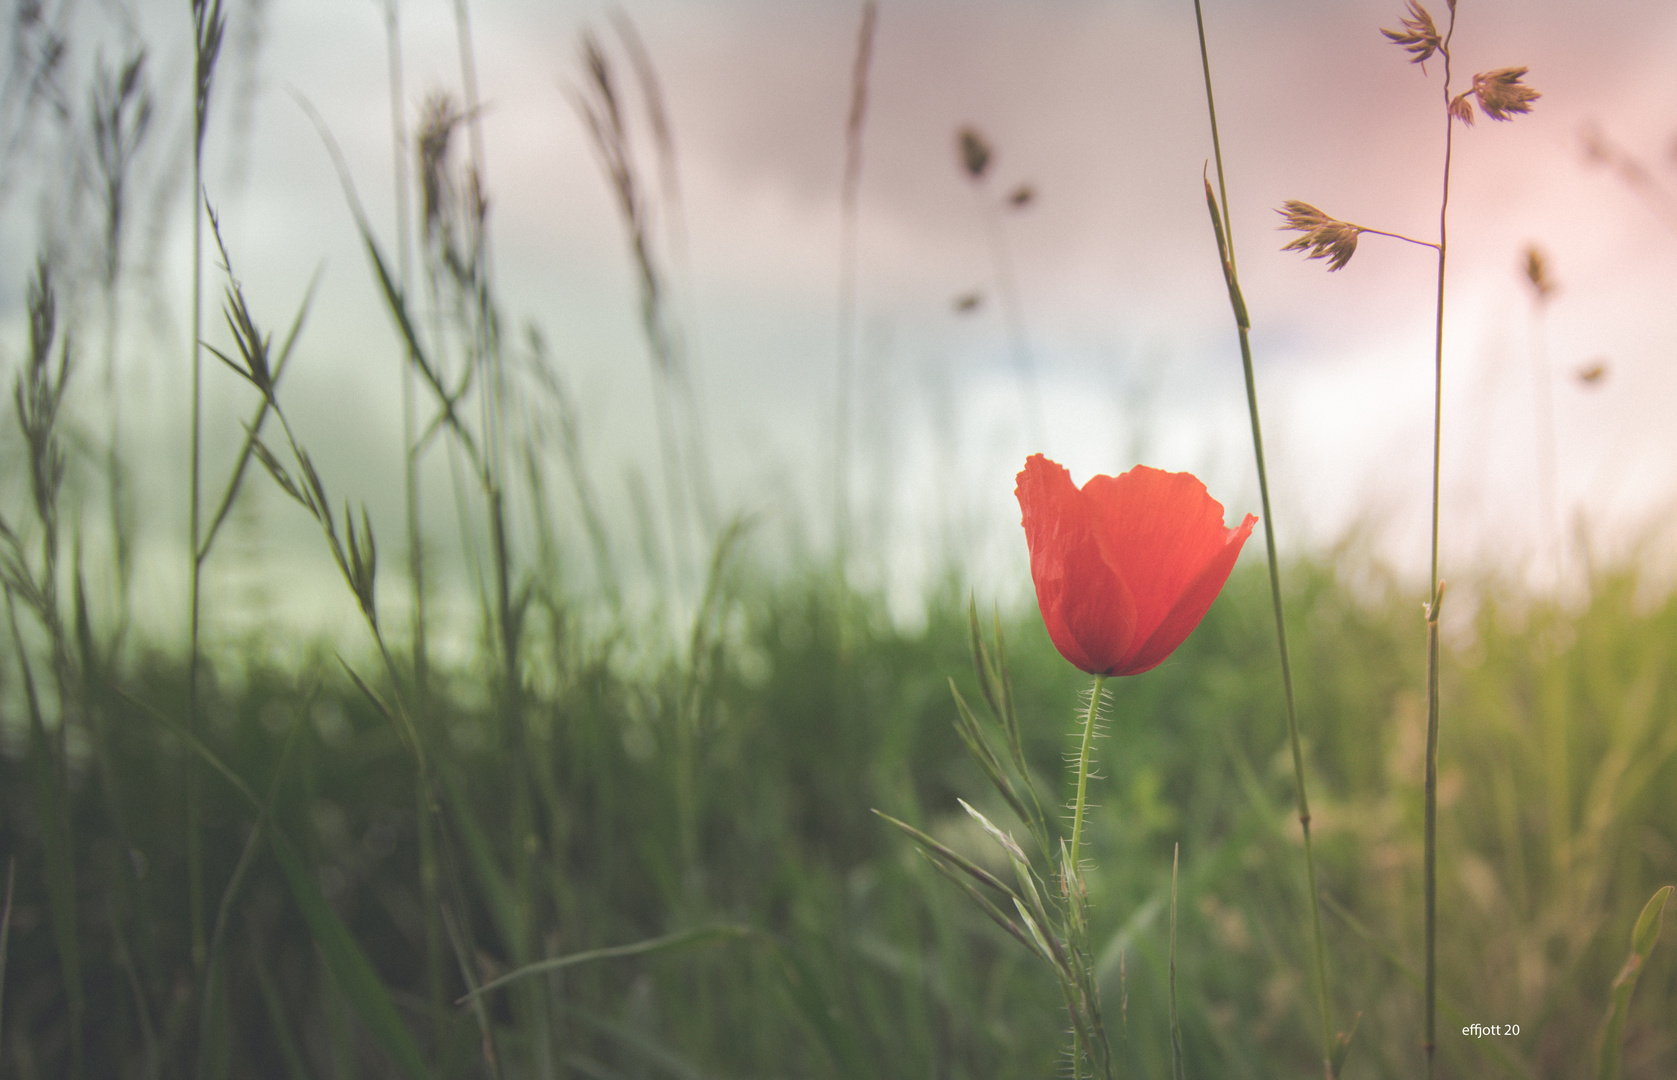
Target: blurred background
1101	325
743	366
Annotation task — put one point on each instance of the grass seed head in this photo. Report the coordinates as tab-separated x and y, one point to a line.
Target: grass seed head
975	152
1537	272
1501	94
1324	237
1419	36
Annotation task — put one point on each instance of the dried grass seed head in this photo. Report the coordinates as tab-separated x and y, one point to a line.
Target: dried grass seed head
439	117
1501	94
1419	36
975	152
1537	272
1324	237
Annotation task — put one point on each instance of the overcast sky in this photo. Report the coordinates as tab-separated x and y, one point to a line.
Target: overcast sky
1100	108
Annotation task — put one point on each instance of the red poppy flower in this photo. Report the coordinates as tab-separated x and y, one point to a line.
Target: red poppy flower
1126	567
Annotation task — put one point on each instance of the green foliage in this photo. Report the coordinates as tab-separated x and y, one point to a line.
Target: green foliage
860	959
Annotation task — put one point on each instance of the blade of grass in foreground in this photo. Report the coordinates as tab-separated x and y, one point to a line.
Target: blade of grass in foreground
60	859
1642	940
213	1044
1223	227
349	966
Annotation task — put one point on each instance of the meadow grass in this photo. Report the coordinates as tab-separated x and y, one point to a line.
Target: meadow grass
592	847
856	959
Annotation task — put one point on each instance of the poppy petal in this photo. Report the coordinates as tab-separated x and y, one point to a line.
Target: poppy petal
1192	605
1157	530
1086	608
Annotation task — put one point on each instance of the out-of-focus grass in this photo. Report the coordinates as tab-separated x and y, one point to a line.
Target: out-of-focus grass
1560	819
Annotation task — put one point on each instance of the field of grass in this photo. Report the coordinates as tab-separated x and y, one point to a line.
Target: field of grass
632	804
658	815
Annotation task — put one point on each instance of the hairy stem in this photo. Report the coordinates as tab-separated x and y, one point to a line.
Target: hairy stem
1083	769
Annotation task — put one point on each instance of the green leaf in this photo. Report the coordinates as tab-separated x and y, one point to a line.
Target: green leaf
348	964
949	855
1642	940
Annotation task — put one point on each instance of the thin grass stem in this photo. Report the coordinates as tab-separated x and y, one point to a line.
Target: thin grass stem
208	25
1013	314
6	933
1223	226
849	191
1429	1040
410	418
1175	1026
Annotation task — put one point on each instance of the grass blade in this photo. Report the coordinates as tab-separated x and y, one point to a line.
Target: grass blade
279	1027
5	939
348	964
954	858
698	936
55	826
1642	940
1175	1028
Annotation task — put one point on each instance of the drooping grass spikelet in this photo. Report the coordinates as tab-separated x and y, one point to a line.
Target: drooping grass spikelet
1419	36
1324	237
1500	93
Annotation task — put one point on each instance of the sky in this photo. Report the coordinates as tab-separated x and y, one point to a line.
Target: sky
1128	340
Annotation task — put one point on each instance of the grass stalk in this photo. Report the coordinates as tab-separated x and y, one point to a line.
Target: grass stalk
356	557
1429	1040
410	418
1175	1027
849	192
122	109
208	25
1543	403
5	941
601	106
675	230
976	157
1223	225
1500	95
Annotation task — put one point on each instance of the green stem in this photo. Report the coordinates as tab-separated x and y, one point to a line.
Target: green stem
1226	243
1083	769
1430	828
194	838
